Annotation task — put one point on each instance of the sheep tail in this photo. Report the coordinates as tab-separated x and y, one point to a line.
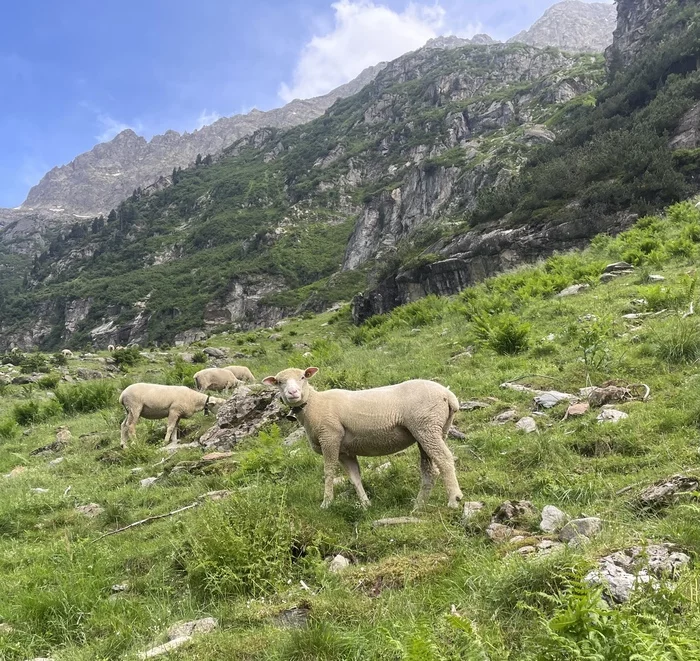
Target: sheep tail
452	402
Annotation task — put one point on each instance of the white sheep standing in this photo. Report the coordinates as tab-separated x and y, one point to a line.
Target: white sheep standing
110	347
215	378
241	372
342	424
67	353
155	402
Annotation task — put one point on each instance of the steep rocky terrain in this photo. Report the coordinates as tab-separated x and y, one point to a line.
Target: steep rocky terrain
573	26
99	179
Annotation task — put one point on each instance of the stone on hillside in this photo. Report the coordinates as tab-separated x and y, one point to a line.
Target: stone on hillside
527	424
586	527
89	375
120	587
5	380
617	267
623	571
90	510
215	352
294	437
576	410
548	545
600	396
514	510
500	534
194	627
504	417
455	433
656	278
5	628
160	650
243	414
553	519
338	563
571	291
187	357
38	490
25	379
471	508
664	491
607	277
275	337
472	405
63	434
382	468
611	415
539	135
148	482
550	398
54	462
396	521
217	495
293	618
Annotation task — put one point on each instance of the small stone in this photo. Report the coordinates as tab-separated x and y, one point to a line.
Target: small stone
91	510
338	563
553	519
551	337
472	405
551	398
607	277
63	435
89	375
572	290
455	433
526	550
396	521
215	352
548	545
504	417
383	467
664	491
611	415
500	534
576	410
656	278
217	495
120	587
187	629
617	267
216	456
39	490
138	469
527	424
164	649
587	527
294	437
471	508
57	461
5	628
148	482
514	510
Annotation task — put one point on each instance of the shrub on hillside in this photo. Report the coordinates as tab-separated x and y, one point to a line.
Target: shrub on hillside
504	333
127	357
87	397
33	362
181	373
9	430
49	382
34	412
199	358
676	341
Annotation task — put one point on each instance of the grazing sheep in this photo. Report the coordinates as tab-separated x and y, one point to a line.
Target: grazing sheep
119	347
240	372
110	347
215	378
67	353
342	424
155	402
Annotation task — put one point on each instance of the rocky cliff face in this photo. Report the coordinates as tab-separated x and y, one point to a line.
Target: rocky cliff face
99	179
634	20
572	26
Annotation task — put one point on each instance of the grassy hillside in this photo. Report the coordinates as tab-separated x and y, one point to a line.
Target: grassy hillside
439	589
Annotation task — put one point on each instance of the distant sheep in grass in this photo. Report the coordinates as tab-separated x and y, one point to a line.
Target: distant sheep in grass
67	353
155	402
110	347
215	378
241	372
342	424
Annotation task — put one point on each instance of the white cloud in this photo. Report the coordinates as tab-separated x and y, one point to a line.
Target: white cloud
363	34
110	127
205	118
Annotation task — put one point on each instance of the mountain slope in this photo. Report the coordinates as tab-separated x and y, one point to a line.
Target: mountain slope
251	236
572	26
99	179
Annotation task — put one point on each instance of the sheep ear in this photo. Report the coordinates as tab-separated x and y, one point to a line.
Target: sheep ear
270	381
310	371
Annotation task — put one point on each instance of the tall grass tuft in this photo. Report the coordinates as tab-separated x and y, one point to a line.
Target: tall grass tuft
87	397
34	412
676	341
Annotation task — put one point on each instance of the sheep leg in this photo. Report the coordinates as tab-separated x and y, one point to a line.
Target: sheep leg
352	468
330	449
428	473
128	426
440	455
171	431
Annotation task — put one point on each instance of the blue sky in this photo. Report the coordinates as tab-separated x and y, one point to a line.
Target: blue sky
75	72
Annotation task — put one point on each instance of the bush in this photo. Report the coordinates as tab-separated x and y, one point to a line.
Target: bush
504	333
180	374
9	430
127	357
676	341
33	412
59	360
49	382
86	397
33	362
199	358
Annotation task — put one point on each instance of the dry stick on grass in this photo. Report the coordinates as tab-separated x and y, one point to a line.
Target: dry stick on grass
147	520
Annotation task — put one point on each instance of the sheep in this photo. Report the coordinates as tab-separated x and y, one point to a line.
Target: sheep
155	402
342	424
240	372
119	347
67	353
110	347
215	378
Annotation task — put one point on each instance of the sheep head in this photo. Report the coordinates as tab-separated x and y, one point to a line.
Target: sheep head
293	384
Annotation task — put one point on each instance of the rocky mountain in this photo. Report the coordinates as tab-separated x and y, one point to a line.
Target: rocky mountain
573	26
99	179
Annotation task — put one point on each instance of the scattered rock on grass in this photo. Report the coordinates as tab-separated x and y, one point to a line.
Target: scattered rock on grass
619	267
622	572
160	650
396	521
611	415
504	417
293	618
587	527
553	519
216	495
514	510
500	534
472	405
471	508
89	375
655	278
215	352
204	625
576	410
455	433
294	437
55	462
148	482
90	510
527	424
572	290
338	563
664	491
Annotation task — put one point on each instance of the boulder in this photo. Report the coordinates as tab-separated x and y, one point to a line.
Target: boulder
339	563
215	352
89	375
664	491
553	519
512	511
500	534
611	415
572	290
296	436
472	405
204	625
586	527
527	424
617	267
504	417
471	508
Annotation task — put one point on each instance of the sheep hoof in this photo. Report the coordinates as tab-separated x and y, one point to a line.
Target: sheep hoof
326	504
364	504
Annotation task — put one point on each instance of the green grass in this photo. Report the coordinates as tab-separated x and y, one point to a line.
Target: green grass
243	559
